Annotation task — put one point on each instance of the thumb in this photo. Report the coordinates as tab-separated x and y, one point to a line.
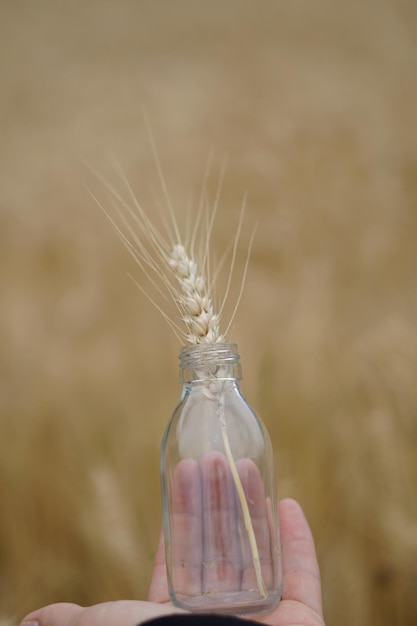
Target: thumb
59	614
120	613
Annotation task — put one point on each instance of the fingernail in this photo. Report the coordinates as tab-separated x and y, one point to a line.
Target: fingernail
30	623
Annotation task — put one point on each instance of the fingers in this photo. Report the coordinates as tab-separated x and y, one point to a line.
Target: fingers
301	575
210	542
222	558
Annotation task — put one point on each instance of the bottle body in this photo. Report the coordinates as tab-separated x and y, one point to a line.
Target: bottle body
219	497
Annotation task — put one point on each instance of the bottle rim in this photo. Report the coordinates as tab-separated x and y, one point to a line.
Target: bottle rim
209	360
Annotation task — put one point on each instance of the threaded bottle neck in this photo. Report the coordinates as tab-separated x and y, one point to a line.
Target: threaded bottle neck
208	361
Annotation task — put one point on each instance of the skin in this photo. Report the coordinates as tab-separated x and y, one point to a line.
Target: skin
301	603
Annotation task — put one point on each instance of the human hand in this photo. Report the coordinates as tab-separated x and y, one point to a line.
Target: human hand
301	596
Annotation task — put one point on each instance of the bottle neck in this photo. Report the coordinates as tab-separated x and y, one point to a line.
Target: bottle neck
208	362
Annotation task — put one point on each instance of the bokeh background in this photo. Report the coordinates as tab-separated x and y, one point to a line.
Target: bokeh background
313	103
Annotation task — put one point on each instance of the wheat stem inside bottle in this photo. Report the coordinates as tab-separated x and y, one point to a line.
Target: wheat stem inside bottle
243	502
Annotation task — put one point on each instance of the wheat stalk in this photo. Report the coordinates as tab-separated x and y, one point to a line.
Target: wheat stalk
186	278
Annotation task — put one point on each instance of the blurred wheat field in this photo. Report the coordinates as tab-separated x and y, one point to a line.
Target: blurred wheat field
314	103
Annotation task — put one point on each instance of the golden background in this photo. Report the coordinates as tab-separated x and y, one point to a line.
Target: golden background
314	103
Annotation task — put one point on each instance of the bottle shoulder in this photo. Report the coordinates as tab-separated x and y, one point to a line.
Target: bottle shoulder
205	411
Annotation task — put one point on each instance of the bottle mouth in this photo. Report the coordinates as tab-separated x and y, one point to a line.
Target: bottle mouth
206	361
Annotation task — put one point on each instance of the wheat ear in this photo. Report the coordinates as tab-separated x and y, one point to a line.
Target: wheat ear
193	299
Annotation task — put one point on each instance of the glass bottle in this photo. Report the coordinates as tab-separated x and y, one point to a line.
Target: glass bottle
218	490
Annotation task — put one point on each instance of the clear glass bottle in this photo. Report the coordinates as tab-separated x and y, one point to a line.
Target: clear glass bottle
218	487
